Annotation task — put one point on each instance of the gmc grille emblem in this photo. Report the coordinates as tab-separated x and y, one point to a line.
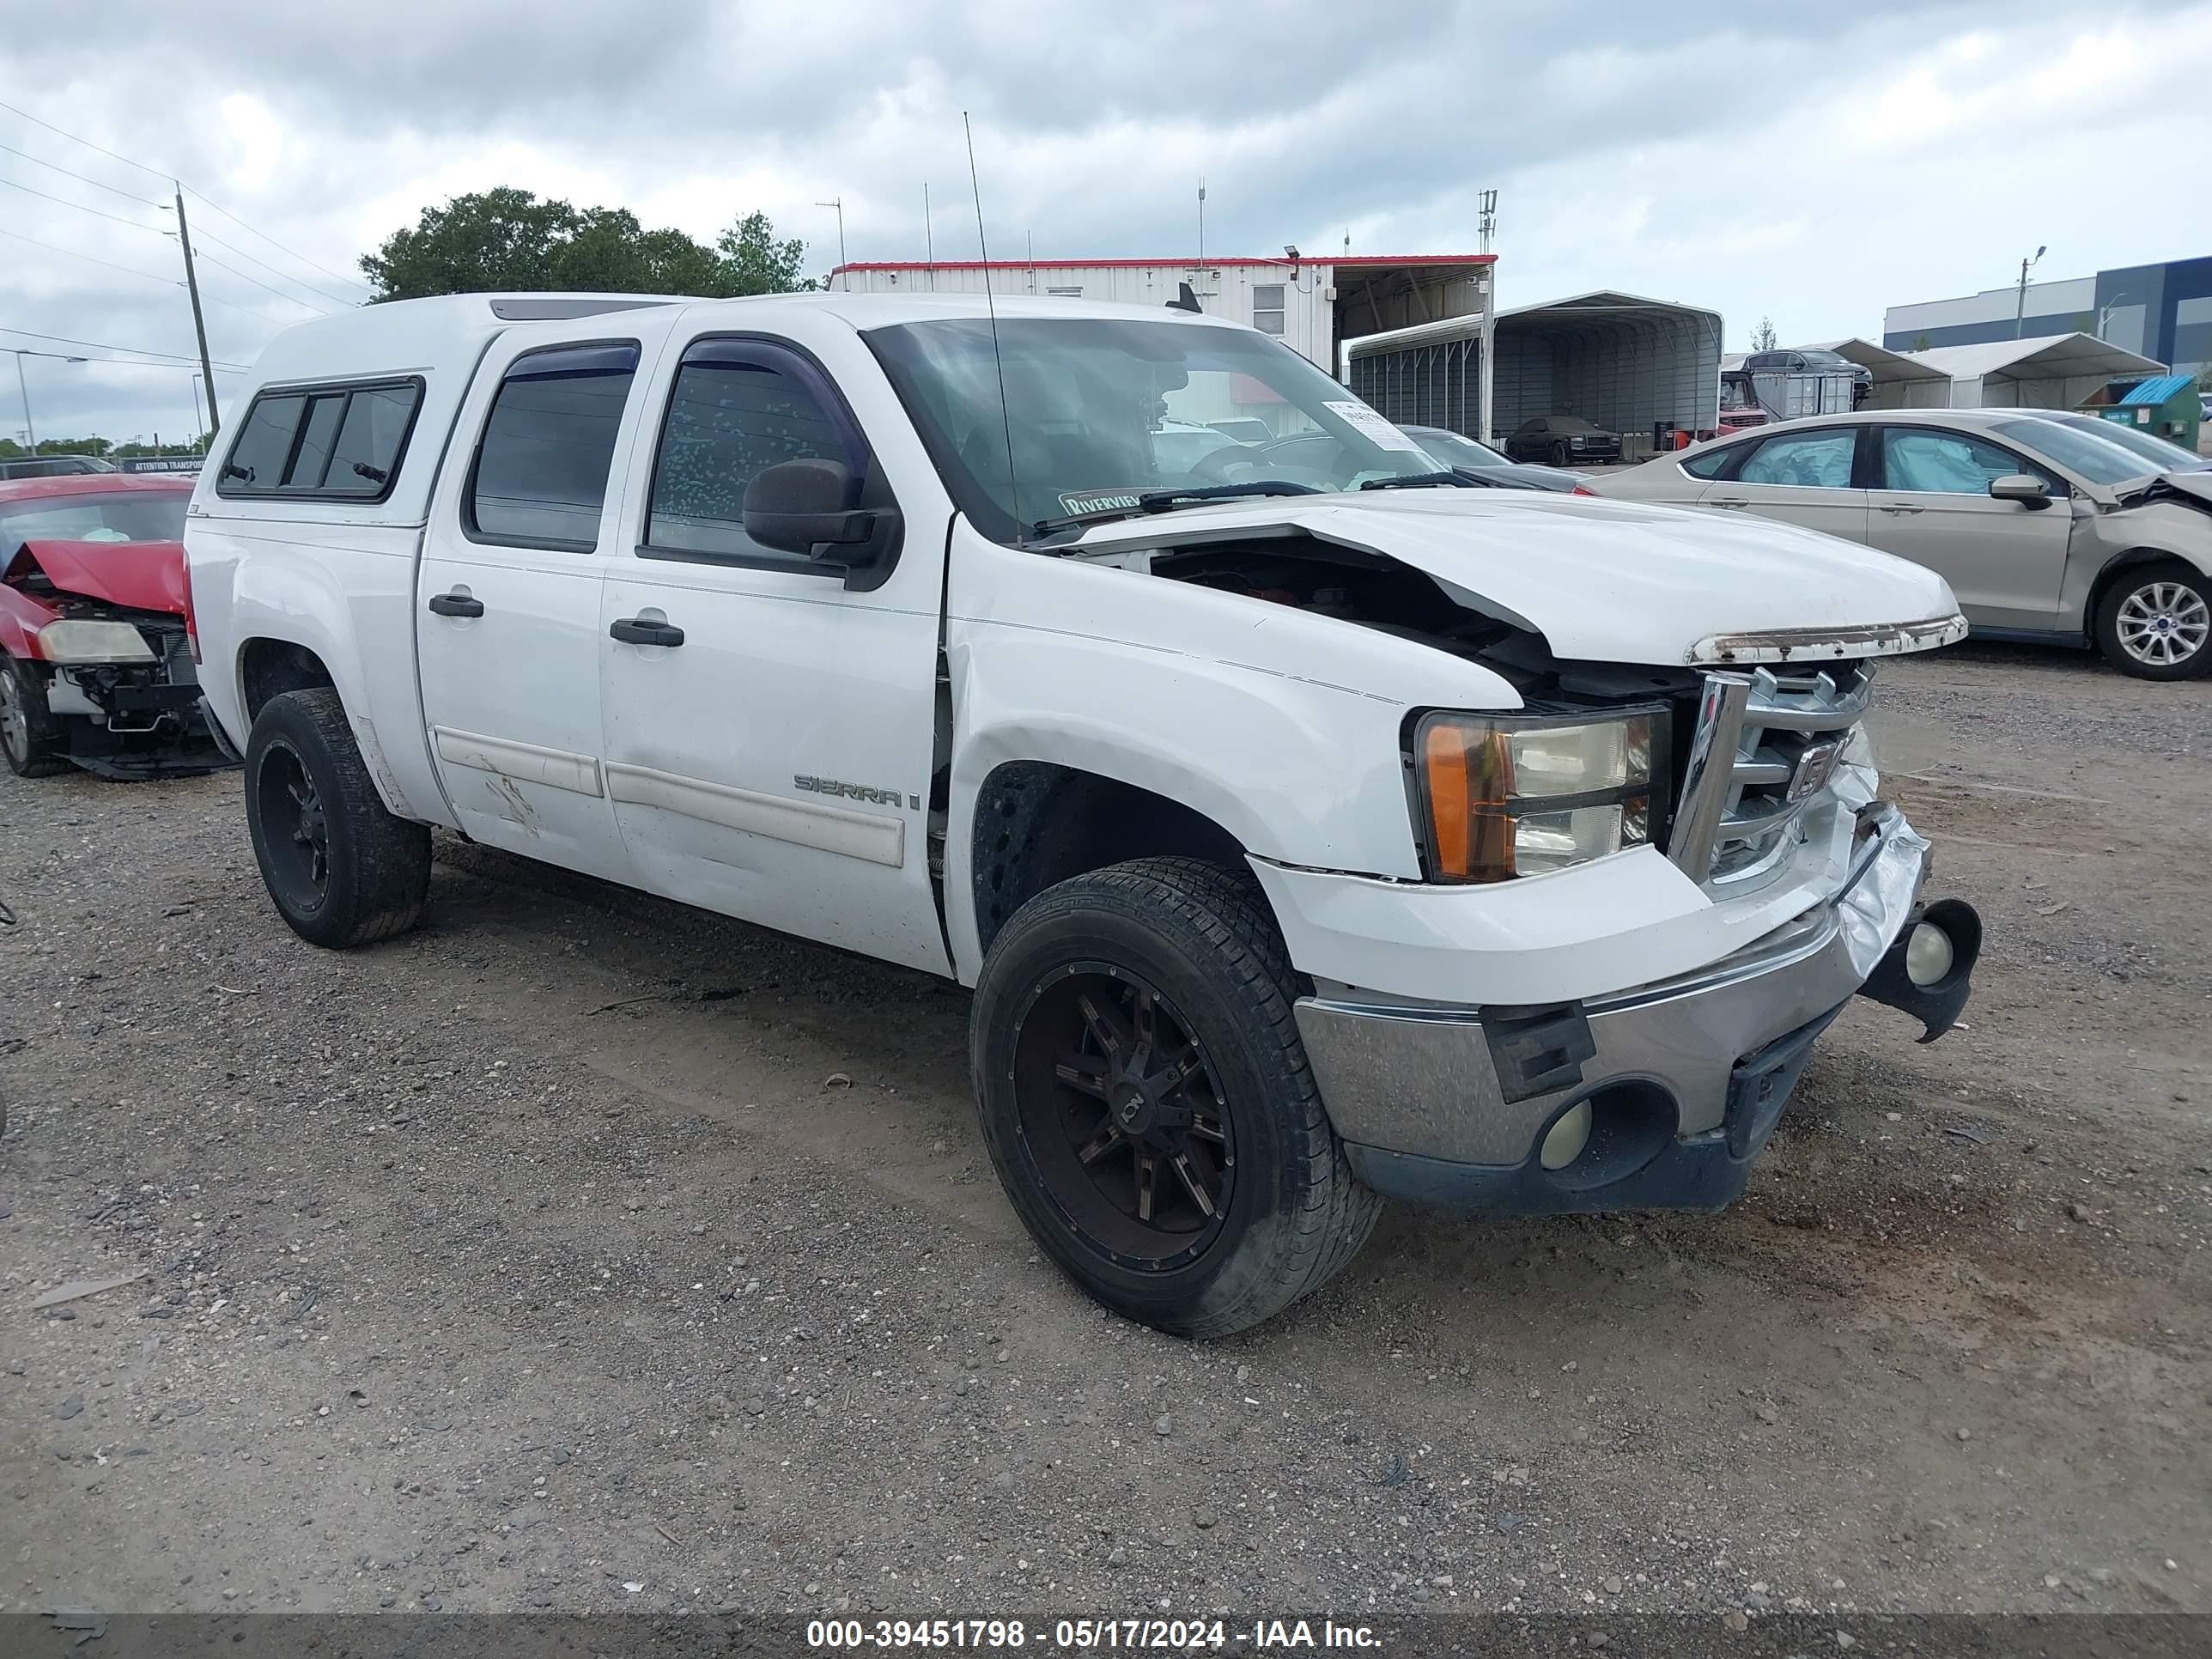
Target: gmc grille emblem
1813	767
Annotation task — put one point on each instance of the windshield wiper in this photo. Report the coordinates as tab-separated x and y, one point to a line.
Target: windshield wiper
1167	501
1422	481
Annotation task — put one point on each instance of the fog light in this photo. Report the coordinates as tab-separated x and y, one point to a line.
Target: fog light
1928	955
1565	1140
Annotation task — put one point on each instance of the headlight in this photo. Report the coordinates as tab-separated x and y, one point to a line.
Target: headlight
70	641
1516	796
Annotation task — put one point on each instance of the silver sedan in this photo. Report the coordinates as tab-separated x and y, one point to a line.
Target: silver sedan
2047	528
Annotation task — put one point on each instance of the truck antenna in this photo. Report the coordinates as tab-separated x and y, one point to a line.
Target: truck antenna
991	308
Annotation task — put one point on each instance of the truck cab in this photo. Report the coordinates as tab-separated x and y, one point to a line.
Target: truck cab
1312	828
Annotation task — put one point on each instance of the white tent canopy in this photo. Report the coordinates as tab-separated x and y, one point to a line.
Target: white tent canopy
2056	371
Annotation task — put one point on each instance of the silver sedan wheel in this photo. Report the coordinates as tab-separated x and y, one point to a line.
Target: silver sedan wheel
2164	623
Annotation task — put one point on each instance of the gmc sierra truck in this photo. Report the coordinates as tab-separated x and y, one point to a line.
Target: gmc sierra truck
1312	829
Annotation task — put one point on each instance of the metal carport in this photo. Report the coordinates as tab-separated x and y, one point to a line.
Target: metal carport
1620	361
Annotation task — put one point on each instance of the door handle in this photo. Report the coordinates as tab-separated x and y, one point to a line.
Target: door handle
455	604
1888	506
1733	502
636	630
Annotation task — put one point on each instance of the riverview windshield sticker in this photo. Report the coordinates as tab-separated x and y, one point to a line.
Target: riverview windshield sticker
1077	502
1365	421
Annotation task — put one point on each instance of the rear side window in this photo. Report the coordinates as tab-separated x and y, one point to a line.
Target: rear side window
540	478
1713	462
738	407
1805	460
339	442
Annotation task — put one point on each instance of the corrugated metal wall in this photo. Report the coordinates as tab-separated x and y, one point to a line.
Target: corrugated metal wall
1622	367
1439	384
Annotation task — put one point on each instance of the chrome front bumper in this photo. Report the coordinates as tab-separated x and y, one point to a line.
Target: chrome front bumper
1450	1103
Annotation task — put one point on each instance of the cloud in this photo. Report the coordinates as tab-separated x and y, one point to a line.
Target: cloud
1810	163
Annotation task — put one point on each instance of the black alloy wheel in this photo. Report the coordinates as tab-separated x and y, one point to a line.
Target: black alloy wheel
1123	1120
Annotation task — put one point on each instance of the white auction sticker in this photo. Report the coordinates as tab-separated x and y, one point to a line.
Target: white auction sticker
1368	423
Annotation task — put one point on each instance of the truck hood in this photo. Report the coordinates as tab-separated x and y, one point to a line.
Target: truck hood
136	575
1605	581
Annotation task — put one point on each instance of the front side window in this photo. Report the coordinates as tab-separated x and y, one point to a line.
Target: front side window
540	479
1805	460
1926	458
2090	454
734	412
1097	409
1267	307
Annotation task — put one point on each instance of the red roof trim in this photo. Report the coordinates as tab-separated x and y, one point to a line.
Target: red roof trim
1168	264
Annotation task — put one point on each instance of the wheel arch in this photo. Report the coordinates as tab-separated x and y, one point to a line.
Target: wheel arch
1038	822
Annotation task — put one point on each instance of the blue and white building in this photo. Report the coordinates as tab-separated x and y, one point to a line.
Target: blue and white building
2161	312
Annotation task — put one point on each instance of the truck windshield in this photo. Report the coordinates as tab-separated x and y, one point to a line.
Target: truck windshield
1100	411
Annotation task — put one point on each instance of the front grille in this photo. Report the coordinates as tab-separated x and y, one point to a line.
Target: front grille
1763	749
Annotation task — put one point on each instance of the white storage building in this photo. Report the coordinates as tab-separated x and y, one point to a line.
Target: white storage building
1313	303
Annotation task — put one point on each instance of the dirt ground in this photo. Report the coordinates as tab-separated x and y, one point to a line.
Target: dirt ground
579	1253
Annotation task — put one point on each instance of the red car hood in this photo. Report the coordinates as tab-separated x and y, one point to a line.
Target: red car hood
138	575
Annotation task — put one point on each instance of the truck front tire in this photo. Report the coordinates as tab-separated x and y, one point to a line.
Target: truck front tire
1148	1102
342	870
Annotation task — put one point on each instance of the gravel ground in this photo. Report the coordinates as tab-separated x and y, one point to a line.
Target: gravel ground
576	1252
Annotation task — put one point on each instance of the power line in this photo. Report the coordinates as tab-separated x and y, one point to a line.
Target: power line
132	270
245	276
199	236
109	345
165	178
127	363
274	243
100	213
87	142
40	161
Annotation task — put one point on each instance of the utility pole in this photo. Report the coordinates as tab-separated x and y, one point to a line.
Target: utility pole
1486	224
838	202
928	238
29	431
199	323
1201	222
2020	311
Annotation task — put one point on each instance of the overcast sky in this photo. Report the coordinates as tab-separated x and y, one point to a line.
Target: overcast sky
1813	163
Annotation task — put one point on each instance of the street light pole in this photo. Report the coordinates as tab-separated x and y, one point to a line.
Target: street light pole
199	323
23	385
2020	311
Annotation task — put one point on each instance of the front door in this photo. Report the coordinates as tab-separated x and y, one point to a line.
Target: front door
769	723
1802	478
506	600
2005	561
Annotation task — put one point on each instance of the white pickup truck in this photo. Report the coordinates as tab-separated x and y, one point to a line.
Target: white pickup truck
1312	827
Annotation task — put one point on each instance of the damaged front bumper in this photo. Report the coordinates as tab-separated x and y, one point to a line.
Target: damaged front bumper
136	721
1658	1097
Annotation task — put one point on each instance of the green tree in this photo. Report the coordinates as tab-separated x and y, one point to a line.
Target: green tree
508	239
1763	337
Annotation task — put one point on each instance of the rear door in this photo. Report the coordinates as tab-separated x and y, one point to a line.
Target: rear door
1802	476
770	725
2005	561
506	602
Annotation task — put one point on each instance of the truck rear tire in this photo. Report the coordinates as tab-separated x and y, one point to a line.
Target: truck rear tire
342	870
1147	1103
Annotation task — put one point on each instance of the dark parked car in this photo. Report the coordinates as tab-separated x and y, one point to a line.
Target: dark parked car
1561	439
1485	465
54	466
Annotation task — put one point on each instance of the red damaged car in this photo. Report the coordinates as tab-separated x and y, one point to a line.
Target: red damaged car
96	646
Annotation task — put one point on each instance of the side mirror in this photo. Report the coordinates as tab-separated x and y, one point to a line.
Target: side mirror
798	507
2029	492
